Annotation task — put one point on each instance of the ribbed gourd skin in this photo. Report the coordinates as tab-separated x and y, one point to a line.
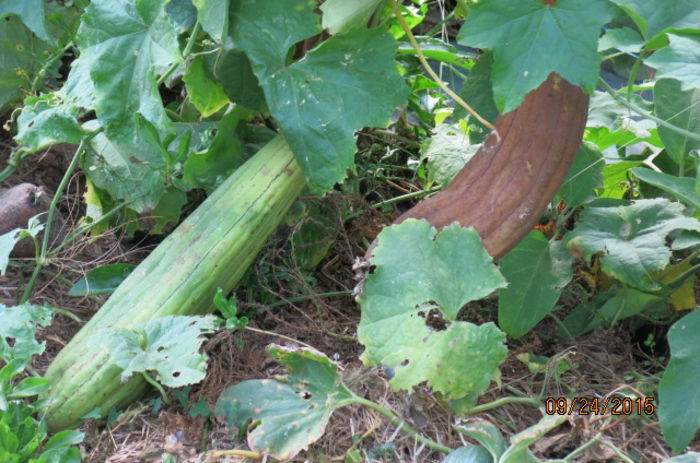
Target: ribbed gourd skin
211	249
504	189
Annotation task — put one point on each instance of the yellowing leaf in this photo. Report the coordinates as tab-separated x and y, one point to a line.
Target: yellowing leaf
204	91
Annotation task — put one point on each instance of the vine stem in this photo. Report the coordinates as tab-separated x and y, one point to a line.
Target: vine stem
41	258
236	453
58	54
503	401
15	160
402	425
185	53
424	62
598	439
281	336
157	385
413	194
642	112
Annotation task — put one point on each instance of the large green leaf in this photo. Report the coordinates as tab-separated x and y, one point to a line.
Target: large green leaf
17	329
531	38
537	271
680	60
346	83
652	20
290	412
631	238
235	73
126	44
410	304
213	14
682	109
679	401
682	188
169	346
31	12
47	120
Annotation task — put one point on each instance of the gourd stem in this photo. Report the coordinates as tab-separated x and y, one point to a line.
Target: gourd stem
433	75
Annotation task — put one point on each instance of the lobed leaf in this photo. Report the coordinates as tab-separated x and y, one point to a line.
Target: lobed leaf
346	83
18	326
169	346
446	152
420	279
531	39
290	413
631	238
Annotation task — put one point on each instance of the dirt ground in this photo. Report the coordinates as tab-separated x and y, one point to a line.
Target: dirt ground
600	363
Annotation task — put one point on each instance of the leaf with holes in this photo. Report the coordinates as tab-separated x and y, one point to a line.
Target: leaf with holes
532	38
47	120
631	238
130	171
168	346
289	413
17	329
410	305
